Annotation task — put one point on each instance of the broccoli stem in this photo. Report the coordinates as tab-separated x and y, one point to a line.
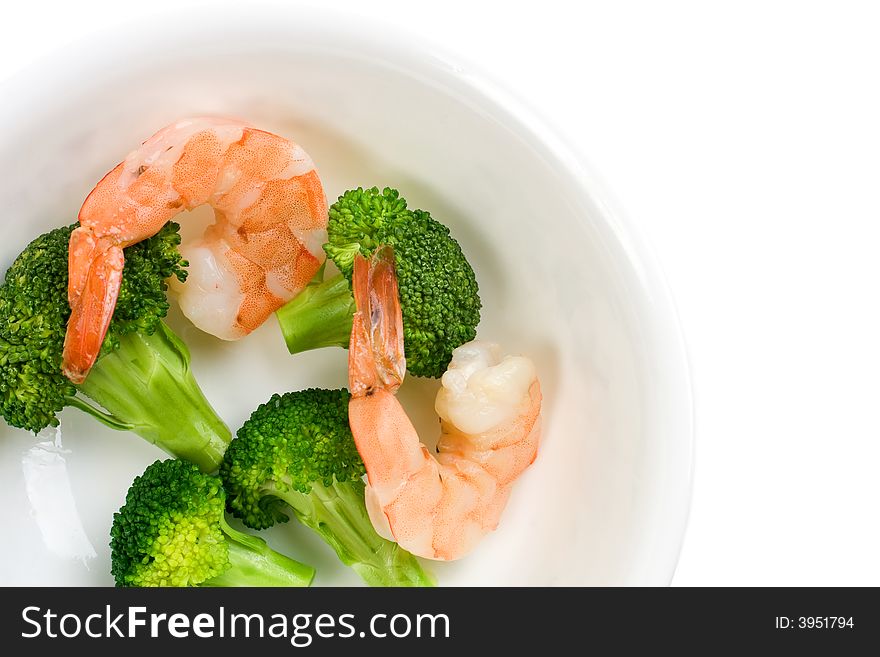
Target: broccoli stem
319	316
253	563
338	514
146	386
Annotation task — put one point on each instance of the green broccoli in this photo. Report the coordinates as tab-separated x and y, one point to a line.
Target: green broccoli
438	291
141	381
296	452
172	531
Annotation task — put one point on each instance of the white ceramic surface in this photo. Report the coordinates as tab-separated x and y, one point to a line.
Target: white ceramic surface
561	278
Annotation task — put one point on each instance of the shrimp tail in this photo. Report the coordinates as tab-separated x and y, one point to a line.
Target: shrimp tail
92	301
376	358
82	248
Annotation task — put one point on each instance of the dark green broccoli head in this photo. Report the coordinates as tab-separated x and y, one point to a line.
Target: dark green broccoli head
142	301
439	297
289	443
34	313
169	531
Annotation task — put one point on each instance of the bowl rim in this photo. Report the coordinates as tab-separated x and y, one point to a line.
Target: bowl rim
431	63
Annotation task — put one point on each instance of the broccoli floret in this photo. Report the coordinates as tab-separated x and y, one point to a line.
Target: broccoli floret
438	290
141	381
172	531
296	453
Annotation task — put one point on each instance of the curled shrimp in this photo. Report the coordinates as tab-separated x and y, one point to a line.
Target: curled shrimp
265	245
437	507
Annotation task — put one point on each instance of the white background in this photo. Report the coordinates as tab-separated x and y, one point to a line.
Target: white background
742	139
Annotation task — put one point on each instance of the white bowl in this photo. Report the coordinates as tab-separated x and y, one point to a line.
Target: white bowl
561	278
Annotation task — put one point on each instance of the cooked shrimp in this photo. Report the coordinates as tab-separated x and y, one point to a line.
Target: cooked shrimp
489	407
265	245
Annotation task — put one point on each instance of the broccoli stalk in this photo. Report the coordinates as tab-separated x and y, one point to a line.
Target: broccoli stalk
296	452
438	290
141	381
160	401
172	531
337	513
319	316
253	563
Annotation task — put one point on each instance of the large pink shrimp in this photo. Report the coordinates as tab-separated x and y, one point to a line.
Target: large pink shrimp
265	245
435	507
